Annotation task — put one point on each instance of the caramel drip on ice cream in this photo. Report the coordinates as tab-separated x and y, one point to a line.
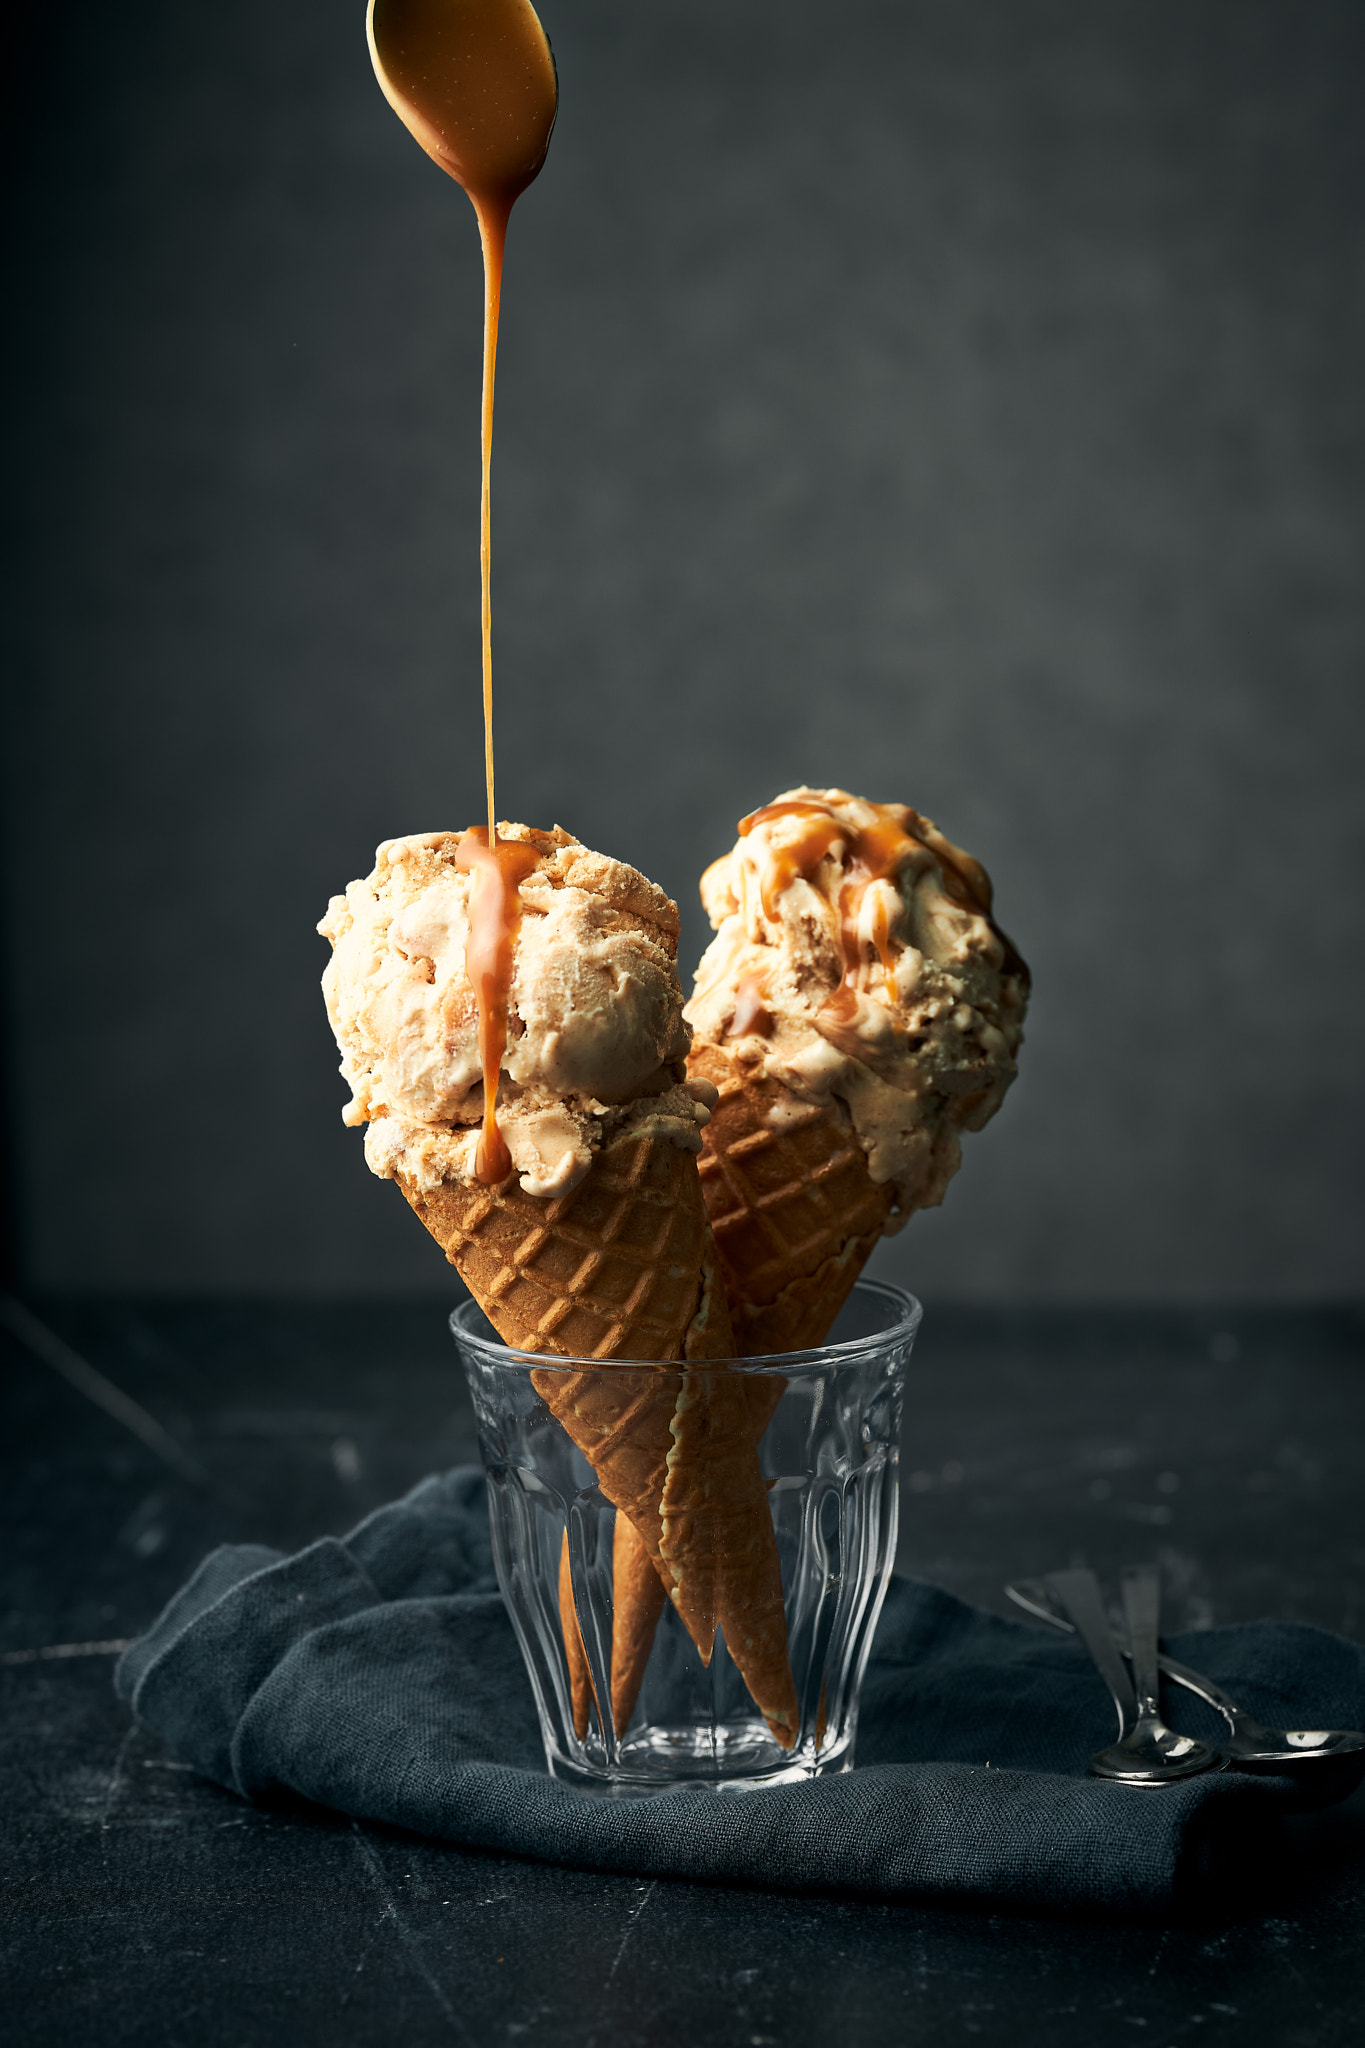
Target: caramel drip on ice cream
820	830
881	939
872	853
494	919
751	1009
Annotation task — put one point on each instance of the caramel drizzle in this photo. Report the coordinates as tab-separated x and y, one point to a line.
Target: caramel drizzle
752	1014
474	82
872	853
494	920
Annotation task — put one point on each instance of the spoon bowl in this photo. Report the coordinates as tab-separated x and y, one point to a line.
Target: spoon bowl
1153	1754
1266	1749
474	82
1147	1751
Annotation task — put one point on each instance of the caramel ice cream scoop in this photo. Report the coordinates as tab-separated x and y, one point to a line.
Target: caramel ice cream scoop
856	1012
594	1038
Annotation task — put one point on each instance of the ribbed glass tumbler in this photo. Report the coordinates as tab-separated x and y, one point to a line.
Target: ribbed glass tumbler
826	1425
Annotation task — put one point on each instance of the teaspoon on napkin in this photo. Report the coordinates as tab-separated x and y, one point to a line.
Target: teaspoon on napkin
1251	1745
1147	1751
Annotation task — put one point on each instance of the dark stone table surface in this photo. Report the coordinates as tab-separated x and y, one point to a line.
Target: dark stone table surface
144	1905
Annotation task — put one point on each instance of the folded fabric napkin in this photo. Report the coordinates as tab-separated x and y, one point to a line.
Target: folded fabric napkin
379	1675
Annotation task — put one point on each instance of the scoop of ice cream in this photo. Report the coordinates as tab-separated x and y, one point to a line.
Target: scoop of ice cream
856	959
595	1041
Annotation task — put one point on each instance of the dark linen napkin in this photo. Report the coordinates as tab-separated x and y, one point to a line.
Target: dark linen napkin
379	1675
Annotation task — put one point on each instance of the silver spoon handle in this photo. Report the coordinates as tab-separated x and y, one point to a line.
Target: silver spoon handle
1078	1594
1032	1596
1203	1688
1142	1611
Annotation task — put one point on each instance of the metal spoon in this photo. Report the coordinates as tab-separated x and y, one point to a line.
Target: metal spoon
1251	1745
1147	1751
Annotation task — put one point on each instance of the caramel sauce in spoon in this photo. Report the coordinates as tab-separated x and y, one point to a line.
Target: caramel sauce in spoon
474	82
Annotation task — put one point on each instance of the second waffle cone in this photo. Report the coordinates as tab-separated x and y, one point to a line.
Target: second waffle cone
795	1212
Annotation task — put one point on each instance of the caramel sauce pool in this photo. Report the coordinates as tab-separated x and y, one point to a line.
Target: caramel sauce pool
474	82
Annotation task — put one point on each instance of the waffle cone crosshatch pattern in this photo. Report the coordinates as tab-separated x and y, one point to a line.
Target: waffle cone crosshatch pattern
609	1270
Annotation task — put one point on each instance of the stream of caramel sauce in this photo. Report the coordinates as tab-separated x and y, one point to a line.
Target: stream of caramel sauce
474	82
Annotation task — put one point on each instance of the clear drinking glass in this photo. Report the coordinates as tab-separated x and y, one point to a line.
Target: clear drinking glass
828	1457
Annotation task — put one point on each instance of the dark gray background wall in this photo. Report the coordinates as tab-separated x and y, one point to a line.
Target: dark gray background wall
956	399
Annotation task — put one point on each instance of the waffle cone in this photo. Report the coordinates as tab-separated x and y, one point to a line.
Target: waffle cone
637	1579
714	1516
623	1267
575	1656
613	1269
794	1210
638	1599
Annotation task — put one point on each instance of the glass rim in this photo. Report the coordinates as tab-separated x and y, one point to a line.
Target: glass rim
909	1314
